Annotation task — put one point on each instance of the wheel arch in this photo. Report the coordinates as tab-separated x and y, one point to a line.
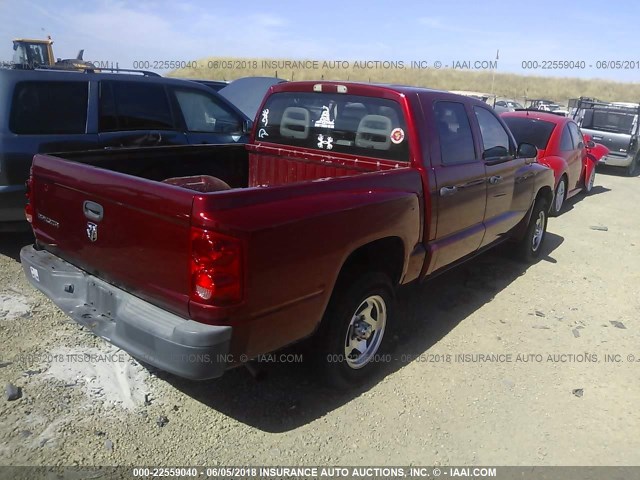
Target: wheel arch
547	194
385	255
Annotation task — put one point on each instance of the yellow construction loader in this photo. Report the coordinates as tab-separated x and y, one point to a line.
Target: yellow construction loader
30	53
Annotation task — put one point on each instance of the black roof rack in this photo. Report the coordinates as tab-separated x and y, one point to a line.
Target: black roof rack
94	69
585	102
146	73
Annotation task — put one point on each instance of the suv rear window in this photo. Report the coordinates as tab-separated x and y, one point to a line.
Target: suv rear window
49	108
616	122
335	122
133	106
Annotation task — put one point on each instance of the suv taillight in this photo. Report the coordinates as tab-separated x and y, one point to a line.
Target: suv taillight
28	209
216	268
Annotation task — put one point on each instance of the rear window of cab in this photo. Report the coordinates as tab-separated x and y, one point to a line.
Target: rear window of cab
334	122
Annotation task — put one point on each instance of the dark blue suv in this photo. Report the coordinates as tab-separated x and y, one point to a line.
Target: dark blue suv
46	111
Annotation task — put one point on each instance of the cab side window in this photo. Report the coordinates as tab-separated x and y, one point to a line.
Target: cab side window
454	132
495	139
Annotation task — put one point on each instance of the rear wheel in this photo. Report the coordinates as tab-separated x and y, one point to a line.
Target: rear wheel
354	332
588	184
559	197
531	245
631	168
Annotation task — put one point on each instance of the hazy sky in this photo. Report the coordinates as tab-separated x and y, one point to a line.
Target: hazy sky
446	31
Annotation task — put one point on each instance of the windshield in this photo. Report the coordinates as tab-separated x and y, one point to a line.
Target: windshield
610	121
530	130
335	122
30	54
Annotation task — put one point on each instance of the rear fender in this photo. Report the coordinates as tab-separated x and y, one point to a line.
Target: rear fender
557	164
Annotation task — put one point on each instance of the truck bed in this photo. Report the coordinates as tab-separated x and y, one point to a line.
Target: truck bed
295	224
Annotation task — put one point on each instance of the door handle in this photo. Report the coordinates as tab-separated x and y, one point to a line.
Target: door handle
446	191
495	179
93	211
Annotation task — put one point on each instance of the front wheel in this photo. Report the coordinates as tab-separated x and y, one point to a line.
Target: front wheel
558	197
354	331
531	245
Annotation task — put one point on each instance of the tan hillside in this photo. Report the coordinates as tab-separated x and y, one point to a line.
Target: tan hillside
505	84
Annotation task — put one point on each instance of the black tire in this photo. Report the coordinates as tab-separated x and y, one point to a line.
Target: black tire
589	182
631	169
557	204
529	248
338	328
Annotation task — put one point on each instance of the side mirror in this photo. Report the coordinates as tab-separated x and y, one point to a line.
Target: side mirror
591	144
246	126
527	150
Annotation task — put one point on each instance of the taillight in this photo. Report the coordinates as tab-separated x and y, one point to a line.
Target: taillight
28	209
216	268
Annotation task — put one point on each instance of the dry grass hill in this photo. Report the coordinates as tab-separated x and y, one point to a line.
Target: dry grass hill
504	84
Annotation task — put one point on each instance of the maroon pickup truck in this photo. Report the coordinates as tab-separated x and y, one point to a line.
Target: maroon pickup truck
198	258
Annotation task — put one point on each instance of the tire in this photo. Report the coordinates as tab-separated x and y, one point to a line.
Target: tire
588	183
531	244
630	170
559	197
346	329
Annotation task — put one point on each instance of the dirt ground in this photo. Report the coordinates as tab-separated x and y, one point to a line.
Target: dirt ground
545	392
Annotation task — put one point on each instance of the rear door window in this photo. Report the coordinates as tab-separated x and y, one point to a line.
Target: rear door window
334	122
204	113
134	106
49	108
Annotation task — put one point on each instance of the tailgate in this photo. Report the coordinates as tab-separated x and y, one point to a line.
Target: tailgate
128	231
617	143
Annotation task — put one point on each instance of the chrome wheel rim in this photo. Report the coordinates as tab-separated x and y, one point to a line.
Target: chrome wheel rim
559	196
592	179
538	232
365	331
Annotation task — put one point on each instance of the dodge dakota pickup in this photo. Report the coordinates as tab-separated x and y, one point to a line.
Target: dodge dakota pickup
198	258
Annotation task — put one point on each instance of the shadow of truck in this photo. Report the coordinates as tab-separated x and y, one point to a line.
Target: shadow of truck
290	396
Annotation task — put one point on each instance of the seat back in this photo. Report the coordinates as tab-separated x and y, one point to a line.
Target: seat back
295	123
374	131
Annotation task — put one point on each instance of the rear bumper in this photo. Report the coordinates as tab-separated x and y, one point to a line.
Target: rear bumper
616	161
12	202
183	347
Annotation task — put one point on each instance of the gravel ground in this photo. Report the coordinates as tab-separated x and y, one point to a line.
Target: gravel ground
548	398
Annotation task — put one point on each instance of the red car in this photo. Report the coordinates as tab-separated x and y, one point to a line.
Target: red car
561	147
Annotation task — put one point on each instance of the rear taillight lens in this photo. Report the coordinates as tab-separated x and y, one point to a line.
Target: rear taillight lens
216	268
28	209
